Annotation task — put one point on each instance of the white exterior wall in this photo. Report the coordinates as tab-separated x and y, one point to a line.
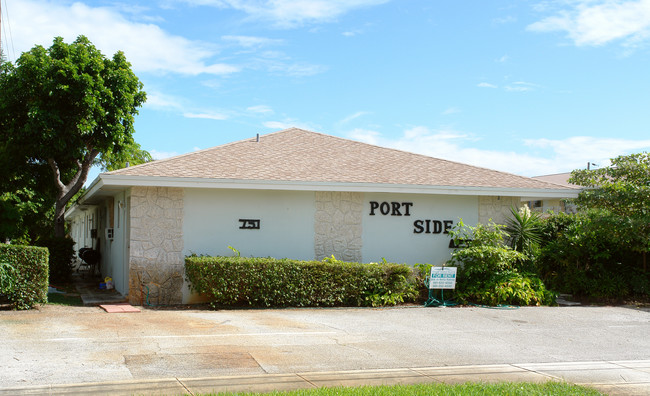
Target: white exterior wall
80	226
212	223
155	228
395	235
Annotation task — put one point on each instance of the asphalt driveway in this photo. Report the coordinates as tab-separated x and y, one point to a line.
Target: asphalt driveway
65	345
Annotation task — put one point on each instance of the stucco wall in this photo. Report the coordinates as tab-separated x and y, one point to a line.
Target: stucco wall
156	259
416	235
285	227
338	225
497	208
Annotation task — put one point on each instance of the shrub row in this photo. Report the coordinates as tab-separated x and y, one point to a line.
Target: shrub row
266	282
587	255
28	272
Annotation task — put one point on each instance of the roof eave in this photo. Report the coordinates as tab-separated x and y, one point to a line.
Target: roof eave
106	180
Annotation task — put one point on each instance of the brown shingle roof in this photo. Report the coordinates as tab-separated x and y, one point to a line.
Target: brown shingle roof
297	155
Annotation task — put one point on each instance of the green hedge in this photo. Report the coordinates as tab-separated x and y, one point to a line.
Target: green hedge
267	282
30	272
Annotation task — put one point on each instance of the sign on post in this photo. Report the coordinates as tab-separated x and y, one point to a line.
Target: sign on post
442	278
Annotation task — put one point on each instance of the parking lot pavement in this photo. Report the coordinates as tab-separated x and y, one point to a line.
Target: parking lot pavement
68	348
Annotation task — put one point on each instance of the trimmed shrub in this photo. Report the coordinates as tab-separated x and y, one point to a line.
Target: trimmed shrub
61	257
30	274
266	282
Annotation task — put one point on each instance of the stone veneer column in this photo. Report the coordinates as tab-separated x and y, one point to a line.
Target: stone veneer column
156	258
338	225
496	208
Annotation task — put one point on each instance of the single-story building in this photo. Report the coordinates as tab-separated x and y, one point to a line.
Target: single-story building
289	194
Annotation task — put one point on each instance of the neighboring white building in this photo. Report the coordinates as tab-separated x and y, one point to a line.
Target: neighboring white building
294	194
545	206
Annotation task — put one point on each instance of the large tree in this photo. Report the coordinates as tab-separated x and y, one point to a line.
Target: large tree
621	190
66	108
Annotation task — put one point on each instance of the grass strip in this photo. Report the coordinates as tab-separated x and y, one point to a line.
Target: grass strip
465	389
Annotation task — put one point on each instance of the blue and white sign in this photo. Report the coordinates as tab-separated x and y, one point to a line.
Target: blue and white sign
442	278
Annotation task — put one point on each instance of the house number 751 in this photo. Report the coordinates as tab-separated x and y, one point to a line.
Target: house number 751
249	224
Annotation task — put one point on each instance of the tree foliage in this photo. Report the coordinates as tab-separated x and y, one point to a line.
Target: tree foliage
65	108
622	191
582	255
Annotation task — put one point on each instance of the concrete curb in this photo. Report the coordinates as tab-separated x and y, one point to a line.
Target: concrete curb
630	377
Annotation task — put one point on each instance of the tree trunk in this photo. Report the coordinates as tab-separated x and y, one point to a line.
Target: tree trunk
65	192
59	220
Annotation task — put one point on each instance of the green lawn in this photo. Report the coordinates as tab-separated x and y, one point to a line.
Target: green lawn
64	299
66	295
468	389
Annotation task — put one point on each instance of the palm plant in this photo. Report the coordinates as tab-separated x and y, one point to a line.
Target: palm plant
524	230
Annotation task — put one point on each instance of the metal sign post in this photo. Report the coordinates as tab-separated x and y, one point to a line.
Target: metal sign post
441	278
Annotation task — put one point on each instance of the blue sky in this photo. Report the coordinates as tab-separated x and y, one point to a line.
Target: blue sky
527	87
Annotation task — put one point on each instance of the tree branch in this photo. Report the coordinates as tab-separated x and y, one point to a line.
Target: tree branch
80	177
57	175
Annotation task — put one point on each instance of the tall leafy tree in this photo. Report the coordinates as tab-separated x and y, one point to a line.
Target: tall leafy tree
66	108
621	190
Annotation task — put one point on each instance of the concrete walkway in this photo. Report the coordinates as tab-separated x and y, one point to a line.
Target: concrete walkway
612	378
91	294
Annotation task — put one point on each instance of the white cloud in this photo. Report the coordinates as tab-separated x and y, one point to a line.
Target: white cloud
517	86
291	13
289	123
590	22
160	101
521	86
158	155
163	102
260	109
252	41
352	33
555	156
353	116
278	124
290	69
451	110
365	135
505	20
146	46
207	116
578	150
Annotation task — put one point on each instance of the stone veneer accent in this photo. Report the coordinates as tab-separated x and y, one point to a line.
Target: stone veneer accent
338	225
496	208
156	260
